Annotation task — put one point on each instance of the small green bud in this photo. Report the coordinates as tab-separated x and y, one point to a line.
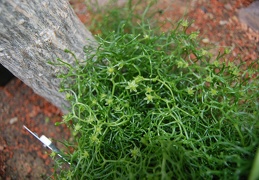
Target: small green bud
185	23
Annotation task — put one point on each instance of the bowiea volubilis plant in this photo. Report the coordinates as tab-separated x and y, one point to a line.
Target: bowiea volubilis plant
158	106
141	108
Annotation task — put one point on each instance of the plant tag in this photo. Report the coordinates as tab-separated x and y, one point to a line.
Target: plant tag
45	140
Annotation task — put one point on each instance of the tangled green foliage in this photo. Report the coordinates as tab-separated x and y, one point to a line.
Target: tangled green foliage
143	109
150	105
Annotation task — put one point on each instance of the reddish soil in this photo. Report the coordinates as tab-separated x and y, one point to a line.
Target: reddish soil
23	157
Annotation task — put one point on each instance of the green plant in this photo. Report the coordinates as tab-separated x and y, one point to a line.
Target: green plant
142	108
254	174
132	15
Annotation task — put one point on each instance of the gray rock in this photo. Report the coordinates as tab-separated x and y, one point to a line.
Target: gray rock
250	15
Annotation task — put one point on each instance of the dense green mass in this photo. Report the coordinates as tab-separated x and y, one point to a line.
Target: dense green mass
142	108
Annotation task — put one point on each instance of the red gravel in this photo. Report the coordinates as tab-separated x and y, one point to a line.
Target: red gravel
21	155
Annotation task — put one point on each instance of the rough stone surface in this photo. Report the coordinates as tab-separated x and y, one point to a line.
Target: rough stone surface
32	33
250	15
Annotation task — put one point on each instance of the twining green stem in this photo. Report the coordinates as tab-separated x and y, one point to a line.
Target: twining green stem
142	108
